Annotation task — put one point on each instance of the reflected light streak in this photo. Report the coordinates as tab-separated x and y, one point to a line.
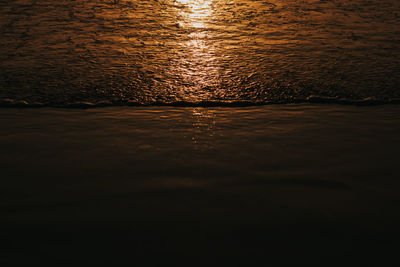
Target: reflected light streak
204	130
196	64
196	12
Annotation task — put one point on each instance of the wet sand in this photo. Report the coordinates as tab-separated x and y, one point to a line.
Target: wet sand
273	185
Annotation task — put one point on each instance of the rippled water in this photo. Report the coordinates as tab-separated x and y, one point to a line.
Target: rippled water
168	51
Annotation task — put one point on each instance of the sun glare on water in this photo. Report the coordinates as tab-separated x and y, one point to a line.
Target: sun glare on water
196	12
195	64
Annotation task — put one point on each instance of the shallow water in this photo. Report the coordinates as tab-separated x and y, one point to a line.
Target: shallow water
115	52
279	184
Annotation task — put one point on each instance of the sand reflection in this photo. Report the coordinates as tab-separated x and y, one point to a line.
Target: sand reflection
204	129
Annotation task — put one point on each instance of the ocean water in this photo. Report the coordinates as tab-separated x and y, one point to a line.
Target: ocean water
186	52
198	173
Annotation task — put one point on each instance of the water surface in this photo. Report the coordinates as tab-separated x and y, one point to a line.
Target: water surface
280	185
164	51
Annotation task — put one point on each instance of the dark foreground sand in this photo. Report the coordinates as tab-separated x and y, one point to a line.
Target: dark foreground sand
274	185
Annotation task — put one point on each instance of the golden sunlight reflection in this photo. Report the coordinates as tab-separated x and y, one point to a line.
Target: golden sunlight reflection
195	63
204	129
207	52
195	12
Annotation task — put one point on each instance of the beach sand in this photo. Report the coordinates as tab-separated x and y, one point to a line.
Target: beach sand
271	185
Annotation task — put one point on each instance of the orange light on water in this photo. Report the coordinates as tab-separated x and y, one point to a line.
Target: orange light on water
196	12
195	62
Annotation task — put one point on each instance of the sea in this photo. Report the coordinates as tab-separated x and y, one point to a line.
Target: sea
198	52
199	132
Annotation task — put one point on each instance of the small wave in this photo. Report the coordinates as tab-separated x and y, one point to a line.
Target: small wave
10	103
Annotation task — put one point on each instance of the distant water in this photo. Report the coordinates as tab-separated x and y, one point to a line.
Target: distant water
190	52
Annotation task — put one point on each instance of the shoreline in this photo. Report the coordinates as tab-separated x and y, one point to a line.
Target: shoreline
9	103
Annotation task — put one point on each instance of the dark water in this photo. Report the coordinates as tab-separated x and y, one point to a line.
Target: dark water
189	51
278	185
